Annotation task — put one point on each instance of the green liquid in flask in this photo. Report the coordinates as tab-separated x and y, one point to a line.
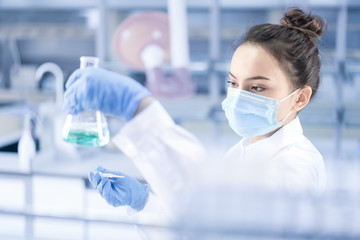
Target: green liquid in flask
88	138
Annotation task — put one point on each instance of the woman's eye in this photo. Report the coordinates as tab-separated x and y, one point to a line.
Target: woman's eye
232	84
257	88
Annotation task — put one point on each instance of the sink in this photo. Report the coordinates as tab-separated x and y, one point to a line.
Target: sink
11	125
7	104
9	142
12	147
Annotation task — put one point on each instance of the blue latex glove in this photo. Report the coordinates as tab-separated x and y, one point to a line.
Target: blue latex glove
120	191
99	89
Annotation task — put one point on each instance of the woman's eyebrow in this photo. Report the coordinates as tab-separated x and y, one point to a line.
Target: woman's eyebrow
258	78
232	75
250	78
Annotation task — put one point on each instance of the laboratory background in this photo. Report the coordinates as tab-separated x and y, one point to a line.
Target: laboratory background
44	187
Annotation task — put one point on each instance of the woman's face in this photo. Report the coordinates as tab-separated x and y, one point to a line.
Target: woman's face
253	69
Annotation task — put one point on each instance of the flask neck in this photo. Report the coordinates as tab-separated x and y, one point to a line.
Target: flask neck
89	62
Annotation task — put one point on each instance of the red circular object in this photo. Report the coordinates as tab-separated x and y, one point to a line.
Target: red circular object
138	31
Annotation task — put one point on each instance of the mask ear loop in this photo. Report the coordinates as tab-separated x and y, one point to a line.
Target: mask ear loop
290	95
280	123
283	120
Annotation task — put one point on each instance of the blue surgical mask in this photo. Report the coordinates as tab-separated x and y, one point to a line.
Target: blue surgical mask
251	115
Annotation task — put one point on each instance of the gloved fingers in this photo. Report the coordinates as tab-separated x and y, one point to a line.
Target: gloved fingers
94	178
116	195
91	176
73	77
104	173
113	196
101	185
69	104
105	184
72	103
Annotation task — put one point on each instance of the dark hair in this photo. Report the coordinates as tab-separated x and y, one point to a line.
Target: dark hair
293	43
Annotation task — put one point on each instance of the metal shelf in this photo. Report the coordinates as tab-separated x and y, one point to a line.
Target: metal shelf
80	4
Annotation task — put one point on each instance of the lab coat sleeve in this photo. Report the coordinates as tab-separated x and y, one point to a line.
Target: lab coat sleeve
166	154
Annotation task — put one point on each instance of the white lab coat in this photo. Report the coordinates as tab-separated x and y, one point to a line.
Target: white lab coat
168	156
287	160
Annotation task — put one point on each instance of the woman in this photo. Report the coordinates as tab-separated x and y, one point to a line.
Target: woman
273	75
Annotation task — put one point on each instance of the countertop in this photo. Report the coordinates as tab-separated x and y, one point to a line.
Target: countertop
54	163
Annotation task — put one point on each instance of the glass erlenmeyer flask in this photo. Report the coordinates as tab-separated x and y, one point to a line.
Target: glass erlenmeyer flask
88	128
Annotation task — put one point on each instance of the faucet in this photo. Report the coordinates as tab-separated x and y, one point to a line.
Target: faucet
55	70
50	116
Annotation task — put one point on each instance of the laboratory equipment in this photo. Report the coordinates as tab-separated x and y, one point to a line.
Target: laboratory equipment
26	146
110	175
137	32
144	41
87	128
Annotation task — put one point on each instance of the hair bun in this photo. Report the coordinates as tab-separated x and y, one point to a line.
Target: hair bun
312	25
